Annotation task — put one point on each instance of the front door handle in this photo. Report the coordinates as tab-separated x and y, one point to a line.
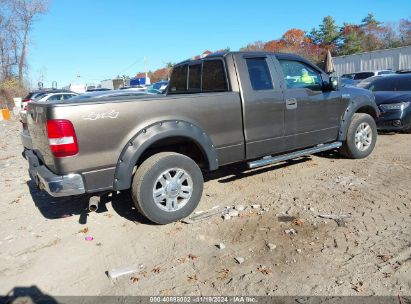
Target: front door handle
291	103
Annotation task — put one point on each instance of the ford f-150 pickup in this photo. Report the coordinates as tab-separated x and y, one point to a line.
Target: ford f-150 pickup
252	107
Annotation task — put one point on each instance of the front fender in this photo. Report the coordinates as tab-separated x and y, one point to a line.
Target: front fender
153	133
359	100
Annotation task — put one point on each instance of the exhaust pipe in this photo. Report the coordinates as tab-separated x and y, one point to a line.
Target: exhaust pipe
93	203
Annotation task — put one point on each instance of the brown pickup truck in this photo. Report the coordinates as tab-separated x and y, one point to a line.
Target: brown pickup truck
258	108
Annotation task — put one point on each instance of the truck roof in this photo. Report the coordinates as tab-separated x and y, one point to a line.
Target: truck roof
283	56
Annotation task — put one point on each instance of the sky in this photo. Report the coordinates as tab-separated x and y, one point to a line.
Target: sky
85	41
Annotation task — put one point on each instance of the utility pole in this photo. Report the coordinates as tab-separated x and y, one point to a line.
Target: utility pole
145	66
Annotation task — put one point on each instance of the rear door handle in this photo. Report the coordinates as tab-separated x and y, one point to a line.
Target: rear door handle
291	103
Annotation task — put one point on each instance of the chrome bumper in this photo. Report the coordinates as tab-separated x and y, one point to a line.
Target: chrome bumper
55	185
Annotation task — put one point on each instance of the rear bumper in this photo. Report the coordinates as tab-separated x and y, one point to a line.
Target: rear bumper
26	139
55	185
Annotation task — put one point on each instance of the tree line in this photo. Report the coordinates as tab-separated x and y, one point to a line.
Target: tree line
16	21
369	35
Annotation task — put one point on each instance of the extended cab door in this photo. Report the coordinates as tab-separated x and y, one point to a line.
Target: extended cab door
312	116
263	105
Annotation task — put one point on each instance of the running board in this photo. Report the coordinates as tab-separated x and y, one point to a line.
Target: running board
268	160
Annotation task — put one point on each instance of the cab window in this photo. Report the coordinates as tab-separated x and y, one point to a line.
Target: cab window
300	75
259	73
178	82
208	76
194	77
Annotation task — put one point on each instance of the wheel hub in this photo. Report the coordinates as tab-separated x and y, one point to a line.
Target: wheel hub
363	136
172	189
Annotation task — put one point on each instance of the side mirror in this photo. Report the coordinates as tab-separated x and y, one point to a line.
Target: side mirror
334	84
330	83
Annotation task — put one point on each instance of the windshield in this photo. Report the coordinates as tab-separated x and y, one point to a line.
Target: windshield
390	84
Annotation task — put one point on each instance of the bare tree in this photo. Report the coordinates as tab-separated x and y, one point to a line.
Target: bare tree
26	13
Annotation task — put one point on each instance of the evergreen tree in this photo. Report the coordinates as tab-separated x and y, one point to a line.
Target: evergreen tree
327	35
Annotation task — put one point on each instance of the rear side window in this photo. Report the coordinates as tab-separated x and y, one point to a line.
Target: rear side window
208	76
55	97
178	82
214	79
194	77
259	74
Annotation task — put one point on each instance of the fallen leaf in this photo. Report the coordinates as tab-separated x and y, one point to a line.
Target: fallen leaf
264	270
298	222
156	269
182	260
192	257
359	287
193	278
385	257
84	230
134	279
223	274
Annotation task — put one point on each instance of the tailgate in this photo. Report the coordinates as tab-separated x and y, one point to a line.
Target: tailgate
36	120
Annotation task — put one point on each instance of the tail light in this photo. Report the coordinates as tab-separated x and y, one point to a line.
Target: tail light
62	137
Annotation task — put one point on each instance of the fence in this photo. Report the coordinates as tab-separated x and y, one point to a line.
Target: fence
389	59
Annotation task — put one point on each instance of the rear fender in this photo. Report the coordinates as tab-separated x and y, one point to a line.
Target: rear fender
153	133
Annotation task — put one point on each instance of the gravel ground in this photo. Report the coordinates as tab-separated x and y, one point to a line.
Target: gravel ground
361	247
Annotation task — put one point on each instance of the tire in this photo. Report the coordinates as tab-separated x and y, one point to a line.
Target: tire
361	137
174	200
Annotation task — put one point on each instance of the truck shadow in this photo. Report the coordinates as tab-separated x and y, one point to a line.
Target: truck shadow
30	294
234	172
55	208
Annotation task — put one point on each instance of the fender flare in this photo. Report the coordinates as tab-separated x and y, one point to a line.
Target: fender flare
137	145
355	104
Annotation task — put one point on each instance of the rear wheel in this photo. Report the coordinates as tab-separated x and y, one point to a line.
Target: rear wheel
167	187
361	136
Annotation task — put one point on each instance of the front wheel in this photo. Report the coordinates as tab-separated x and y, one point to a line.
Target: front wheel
167	187
361	137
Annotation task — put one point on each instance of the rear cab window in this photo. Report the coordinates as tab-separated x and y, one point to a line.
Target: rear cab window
205	76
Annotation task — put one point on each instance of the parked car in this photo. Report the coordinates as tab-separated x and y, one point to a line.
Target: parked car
357	77
159	87
55	96
393	97
225	108
110	93
35	95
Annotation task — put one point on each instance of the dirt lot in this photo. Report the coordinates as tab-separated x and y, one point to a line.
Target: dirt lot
42	239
